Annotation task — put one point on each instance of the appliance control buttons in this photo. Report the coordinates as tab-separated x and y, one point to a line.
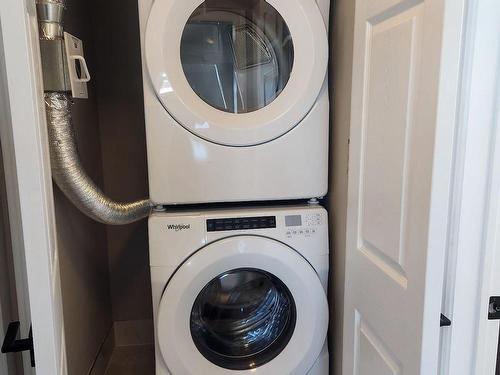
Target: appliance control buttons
301	232
314	219
241	223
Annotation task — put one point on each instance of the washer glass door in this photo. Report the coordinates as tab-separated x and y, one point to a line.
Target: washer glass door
245	304
243	319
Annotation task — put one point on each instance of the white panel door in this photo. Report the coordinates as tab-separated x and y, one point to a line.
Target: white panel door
399	173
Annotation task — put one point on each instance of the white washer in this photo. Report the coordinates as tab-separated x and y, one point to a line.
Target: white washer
236	99
240	291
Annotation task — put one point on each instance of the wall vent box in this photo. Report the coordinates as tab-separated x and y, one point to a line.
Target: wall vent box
77	67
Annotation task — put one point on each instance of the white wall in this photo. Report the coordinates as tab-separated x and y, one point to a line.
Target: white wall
82	242
105	269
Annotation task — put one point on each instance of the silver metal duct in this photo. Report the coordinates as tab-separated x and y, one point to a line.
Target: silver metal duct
69	175
50	15
67	170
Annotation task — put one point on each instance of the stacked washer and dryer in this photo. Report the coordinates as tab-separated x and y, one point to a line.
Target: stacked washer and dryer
237	109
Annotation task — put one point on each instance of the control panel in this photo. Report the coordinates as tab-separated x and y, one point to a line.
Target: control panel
241	223
314	219
302	225
305	232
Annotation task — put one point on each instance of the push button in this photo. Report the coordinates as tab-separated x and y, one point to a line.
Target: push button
227	224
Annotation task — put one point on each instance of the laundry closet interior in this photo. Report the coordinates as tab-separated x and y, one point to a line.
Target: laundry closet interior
269	187
105	273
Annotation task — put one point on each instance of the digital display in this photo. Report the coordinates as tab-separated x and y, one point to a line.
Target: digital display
293	220
241	223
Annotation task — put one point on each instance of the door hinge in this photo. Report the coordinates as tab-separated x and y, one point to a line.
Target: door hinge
494	308
444	322
12	345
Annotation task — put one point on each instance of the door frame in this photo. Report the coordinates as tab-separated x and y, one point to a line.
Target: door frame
29	187
470	344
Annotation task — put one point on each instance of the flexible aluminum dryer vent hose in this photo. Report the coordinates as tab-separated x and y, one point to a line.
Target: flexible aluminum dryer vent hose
69	175
67	170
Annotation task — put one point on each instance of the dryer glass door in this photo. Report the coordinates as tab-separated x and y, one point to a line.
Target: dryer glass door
236	72
243	318
237	56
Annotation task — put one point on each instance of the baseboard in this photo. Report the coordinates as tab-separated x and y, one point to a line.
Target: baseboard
124	333
134	332
104	356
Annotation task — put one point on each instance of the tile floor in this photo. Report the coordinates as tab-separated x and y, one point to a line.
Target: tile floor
132	360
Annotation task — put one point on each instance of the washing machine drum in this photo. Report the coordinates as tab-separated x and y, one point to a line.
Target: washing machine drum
237	72
247	304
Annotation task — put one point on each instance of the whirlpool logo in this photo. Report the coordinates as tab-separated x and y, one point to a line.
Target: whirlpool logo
178	227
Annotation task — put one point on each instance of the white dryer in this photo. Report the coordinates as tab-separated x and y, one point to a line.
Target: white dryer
236	99
240	291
